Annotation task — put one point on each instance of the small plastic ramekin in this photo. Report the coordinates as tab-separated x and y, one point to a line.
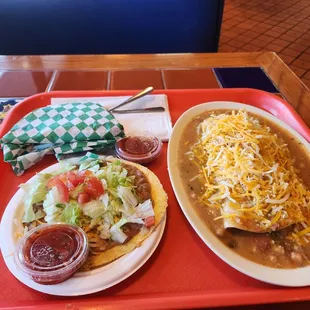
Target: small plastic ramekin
58	273
148	148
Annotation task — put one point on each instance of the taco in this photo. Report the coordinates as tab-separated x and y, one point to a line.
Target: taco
117	203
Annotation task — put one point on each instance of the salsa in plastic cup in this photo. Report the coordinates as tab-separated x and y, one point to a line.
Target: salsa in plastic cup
140	148
52	253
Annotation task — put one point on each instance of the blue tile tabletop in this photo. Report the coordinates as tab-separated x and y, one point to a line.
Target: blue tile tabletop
252	77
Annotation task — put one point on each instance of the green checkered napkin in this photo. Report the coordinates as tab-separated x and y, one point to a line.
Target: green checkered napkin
60	129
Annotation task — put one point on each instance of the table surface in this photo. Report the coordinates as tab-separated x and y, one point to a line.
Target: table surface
22	76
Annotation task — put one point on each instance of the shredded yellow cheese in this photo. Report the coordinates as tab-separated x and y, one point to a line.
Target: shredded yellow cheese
245	164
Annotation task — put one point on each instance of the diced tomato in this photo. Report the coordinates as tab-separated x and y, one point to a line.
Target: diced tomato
63	191
61	187
68	181
52	182
149	221
83	198
70	174
75	178
93	187
90	191
96	184
86	173
70	186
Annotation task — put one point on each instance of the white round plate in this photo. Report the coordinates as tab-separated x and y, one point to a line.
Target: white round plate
81	283
285	277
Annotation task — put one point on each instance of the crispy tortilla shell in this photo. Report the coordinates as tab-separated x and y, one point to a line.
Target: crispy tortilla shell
160	201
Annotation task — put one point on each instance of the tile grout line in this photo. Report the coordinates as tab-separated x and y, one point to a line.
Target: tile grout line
266	33
51	81
109	80
252	8
234	13
217	79
163	78
277	25
304	73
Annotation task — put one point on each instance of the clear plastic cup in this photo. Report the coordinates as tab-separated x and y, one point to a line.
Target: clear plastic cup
52	253
139	148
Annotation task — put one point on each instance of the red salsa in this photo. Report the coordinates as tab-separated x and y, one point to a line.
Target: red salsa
51	253
140	148
51	248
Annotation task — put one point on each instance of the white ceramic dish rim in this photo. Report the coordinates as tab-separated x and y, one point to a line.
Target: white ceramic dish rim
284	277
81	283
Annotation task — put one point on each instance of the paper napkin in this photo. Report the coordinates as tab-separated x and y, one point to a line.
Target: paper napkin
59	129
158	124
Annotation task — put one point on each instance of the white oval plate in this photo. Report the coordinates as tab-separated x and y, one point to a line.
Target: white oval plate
81	283
285	277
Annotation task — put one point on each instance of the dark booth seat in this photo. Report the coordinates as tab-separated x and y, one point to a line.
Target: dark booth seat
109	26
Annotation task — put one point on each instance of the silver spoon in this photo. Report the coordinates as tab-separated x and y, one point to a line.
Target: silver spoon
135	97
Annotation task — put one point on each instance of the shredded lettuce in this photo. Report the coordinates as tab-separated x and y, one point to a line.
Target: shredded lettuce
60	205
128	198
115	175
105	199
117	234
145	209
94	208
71	213
113	193
100	174
50	206
134	219
89	165
104	184
94	168
79	189
35	192
108	218
116	207
64	166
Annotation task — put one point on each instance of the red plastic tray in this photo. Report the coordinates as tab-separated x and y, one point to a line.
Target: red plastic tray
183	272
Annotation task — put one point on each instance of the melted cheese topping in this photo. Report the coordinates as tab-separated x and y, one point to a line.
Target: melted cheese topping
250	170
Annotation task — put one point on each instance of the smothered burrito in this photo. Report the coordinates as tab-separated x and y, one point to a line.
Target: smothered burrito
249	180
117	203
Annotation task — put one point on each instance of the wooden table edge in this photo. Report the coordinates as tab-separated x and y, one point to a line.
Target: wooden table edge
290	86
